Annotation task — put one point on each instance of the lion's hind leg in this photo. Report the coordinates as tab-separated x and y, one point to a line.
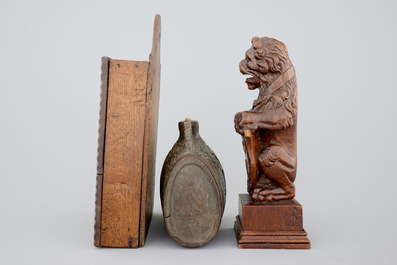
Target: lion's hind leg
280	168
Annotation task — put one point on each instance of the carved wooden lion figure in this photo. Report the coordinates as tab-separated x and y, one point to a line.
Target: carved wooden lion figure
272	120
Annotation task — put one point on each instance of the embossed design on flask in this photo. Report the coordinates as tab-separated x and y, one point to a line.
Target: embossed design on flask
192	189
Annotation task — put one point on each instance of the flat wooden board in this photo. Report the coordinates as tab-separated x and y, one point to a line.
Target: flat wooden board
151	124
123	153
127	146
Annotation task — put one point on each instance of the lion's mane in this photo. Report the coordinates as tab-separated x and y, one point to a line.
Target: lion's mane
275	54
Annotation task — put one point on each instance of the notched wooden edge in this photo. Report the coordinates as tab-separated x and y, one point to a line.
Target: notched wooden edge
101	148
98	210
102	113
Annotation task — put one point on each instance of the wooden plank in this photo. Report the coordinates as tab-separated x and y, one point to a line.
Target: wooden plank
151	124
101	146
121	194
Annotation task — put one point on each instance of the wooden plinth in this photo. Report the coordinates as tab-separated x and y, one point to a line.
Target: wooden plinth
270	225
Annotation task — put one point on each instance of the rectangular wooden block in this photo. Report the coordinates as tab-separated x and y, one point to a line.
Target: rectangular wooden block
270	224
121	190
127	149
270	216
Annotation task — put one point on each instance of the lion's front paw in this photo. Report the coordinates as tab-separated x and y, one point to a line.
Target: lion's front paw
245	120
237	121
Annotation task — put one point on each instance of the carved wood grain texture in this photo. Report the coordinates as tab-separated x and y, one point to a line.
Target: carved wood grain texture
150	140
125	121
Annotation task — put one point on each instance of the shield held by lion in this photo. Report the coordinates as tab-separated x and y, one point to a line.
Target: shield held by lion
269	128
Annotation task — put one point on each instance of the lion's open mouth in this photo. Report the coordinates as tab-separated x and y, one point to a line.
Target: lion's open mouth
252	82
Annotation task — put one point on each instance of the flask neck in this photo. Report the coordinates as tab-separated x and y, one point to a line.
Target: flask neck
189	130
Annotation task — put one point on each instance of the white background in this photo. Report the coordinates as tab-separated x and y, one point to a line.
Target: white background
345	55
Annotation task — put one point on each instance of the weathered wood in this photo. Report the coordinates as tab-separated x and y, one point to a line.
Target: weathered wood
100	152
270	224
102	112
150	140
193	189
125	122
127	148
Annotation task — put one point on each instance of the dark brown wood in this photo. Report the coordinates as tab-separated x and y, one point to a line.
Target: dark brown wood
127	148
193	189
269	217
270	224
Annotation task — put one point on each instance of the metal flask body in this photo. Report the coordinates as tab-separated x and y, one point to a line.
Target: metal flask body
192	189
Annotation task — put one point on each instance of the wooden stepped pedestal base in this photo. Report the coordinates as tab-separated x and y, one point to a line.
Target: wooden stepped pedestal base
270	224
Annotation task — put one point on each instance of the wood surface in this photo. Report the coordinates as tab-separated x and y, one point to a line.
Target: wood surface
121	192
192	189
100	151
251	149
151	124
269	128
270	224
127	144
269	217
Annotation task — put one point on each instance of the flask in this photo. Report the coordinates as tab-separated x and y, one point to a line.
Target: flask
192	189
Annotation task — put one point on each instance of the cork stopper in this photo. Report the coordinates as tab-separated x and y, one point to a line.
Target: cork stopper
188	119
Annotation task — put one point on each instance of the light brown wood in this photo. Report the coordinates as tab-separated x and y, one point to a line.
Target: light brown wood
127	145
150	140
123	153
